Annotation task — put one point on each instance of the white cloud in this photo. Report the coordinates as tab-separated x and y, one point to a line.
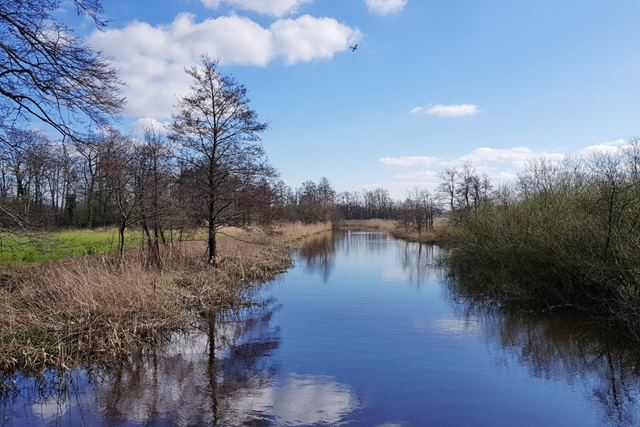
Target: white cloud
517	156
264	7
501	165
448	110
385	7
139	125
605	148
420	176
409	161
152	59
307	38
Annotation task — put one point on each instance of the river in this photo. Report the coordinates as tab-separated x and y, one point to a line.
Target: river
364	331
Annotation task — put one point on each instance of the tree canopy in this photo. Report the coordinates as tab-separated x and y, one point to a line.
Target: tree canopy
48	75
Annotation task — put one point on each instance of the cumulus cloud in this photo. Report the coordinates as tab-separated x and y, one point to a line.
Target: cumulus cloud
499	164
152	58
264	7
142	123
420	176
409	161
517	156
385	7
307	38
448	110
605	148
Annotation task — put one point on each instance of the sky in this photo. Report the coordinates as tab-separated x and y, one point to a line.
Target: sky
433	84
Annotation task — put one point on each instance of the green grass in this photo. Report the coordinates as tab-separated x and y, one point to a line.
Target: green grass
16	251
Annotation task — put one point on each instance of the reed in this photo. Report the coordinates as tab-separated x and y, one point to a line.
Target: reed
100	307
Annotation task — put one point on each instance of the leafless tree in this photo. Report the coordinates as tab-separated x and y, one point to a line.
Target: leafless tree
219	138
154	178
49	75
448	187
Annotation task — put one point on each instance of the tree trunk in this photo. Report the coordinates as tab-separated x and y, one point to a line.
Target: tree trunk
212	236
123	227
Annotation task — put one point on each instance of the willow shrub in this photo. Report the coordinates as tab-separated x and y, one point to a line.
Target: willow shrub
573	247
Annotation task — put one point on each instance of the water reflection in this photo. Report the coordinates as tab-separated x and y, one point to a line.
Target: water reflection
220	373
562	346
355	352
416	262
319	254
305	400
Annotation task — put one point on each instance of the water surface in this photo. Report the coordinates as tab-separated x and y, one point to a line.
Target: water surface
364	331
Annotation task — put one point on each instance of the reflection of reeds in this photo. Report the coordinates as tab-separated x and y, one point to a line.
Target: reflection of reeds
97	306
319	253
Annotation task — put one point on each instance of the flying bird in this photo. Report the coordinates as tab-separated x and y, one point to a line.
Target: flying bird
353	48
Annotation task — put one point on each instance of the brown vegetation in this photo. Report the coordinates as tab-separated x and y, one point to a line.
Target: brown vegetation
435	235
94	307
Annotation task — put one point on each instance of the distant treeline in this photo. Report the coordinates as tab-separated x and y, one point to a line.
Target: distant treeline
112	179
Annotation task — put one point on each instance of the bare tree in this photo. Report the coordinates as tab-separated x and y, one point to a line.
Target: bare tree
219	138
153	171
48	74
448	187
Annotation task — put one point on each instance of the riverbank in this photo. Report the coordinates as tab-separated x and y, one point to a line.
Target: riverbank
62	312
435	236
551	252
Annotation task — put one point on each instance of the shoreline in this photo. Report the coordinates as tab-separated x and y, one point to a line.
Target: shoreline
66	312
433	236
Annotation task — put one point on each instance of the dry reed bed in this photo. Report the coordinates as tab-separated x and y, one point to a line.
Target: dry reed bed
101	307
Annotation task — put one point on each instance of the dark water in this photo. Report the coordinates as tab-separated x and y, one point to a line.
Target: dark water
363	332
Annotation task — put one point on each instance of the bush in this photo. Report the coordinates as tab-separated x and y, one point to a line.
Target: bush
570	237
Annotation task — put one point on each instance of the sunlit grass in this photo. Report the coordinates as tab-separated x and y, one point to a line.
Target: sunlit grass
17	250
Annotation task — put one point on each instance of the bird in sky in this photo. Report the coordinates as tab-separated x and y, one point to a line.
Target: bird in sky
353	48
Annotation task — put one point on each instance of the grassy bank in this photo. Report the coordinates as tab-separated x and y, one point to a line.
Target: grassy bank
83	308
435	235
19	250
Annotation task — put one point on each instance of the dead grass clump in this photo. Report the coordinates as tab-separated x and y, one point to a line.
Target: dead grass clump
387	225
59	313
436	235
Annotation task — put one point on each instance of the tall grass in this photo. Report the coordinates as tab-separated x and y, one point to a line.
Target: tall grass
58	313
570	237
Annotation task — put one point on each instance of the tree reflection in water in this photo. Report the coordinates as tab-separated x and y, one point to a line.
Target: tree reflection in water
218	373
416	262
319	254
221	372
562	346
188	382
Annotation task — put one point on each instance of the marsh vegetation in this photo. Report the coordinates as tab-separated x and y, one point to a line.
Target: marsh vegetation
566	236
104	306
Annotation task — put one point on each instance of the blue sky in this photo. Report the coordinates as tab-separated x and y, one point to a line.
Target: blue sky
432	84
